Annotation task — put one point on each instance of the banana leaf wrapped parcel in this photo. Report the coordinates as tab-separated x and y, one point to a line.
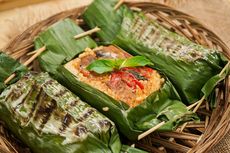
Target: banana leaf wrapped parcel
50	119
188	65
109	78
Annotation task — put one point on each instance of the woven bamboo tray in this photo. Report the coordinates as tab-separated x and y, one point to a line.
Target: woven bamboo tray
196	137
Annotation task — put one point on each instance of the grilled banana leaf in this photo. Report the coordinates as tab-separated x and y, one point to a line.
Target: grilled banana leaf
163	105
188	65
9	66
50	119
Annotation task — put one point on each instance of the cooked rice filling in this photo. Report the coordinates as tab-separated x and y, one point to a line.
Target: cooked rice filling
130	85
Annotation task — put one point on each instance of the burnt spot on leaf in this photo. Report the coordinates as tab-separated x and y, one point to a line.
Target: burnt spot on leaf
80	130
66	121
61	93
45	110
88	113
105	123
74	103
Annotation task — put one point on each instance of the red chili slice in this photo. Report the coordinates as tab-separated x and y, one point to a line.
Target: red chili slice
115	78
140	85
85	72
127	77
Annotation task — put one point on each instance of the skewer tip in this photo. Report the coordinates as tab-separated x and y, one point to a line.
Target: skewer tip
89	32
144	134
119	3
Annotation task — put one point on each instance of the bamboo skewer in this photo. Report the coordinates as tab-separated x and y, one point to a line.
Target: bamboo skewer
198	104
192	105
144	134
119	3
31	53
9	78
38	52
89	32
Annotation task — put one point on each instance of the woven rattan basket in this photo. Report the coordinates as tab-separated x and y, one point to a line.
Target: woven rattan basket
196	137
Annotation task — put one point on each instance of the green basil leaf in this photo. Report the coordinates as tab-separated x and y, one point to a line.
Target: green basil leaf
107	65
118	63
135	61
101	66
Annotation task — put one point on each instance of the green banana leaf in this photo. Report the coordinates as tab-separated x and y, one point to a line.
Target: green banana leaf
186	64
9	66
211	83
59	53
163	105
50	119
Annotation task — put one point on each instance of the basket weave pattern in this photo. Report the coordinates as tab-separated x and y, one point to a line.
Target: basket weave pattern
197	137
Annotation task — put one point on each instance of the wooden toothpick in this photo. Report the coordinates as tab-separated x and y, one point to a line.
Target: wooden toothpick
9	78
89	32
192	105
31	53
37	53
119	3
144	134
